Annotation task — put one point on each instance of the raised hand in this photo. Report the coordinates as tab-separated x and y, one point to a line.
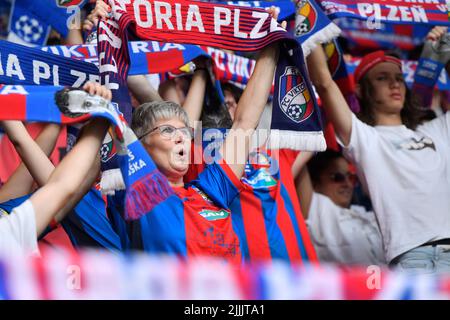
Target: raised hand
101	11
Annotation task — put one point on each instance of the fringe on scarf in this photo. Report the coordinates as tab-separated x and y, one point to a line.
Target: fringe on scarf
297	140
143	195
325	35
111	181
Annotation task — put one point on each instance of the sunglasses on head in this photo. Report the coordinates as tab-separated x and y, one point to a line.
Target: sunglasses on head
340	177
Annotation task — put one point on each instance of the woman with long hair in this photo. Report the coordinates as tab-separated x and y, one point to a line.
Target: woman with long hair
402	160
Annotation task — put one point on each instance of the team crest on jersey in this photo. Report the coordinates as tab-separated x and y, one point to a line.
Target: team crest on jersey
68	3
108	149
334	57
294	96
212	215
260	178
305	19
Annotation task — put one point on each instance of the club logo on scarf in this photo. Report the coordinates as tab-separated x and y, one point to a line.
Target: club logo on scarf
305	19
108	149
68	3
294	96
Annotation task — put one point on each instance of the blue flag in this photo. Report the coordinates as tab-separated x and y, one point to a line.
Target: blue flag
25	27
59	14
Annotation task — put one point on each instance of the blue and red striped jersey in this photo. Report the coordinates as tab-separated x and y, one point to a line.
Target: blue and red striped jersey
197	220
266	214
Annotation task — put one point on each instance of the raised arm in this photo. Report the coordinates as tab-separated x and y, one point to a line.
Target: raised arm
250	107
35	164
169	92
142	89
73	37
303	182
193	104
333	100
66	180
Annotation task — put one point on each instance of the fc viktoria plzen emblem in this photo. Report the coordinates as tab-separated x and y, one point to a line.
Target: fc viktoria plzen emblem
108	149
294	96
305	18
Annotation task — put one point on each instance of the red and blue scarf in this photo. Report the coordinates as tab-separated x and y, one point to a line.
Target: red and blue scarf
295	119
312	26
21	65
431	13
363	35
145	186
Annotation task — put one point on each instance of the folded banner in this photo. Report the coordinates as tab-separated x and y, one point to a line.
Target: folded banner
433	13
312	26
227	27
29	66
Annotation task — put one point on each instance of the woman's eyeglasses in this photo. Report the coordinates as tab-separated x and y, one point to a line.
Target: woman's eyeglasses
340	177
168	131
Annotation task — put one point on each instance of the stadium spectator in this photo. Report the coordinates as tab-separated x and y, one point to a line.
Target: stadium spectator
266	214
402	161
342	233
20	229
197	221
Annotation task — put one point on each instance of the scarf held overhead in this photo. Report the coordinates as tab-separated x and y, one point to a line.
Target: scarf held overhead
432	13
312	26
294	123
29	66
146	186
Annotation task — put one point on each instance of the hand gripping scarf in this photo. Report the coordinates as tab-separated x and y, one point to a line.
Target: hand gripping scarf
146	187
434	56
296	120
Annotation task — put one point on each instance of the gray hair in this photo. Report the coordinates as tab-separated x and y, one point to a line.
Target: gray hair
147	114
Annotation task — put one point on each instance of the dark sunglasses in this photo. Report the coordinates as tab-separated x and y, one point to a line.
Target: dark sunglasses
339	177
